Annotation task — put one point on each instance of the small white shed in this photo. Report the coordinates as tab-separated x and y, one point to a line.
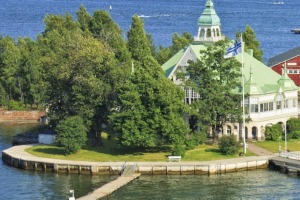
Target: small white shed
46	138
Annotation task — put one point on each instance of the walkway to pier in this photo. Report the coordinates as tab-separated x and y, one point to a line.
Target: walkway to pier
258	150
110	187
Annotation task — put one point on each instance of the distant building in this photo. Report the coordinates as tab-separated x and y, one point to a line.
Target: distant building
272	98
292	60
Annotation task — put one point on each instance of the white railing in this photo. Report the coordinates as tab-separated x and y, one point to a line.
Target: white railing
290	155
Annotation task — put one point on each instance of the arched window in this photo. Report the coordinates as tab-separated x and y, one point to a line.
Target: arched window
214	32
202	32
208	33
218	32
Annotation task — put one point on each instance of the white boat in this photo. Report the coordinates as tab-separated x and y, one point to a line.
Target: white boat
278	2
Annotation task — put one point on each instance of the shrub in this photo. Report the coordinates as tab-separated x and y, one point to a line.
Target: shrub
71	134
294	135
273	132
229	145
178	150
293	124
195	139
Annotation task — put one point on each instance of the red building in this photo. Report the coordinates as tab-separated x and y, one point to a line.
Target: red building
292	60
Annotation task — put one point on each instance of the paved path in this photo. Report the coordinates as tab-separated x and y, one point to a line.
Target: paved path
258	150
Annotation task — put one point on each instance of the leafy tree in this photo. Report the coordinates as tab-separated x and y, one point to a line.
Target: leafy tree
71	134
293	128
229	145
84	18
105	29
251	42
10	65
82	74
216	79
150	106
273	132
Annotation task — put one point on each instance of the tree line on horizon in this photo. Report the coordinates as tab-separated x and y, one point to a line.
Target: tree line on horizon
87	75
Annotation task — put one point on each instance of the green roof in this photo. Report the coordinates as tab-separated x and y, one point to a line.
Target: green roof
209	16
262	79
173	61
259	78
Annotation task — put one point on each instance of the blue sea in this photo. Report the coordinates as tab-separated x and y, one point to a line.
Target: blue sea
271	22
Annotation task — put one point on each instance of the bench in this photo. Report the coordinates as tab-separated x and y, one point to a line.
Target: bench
174	158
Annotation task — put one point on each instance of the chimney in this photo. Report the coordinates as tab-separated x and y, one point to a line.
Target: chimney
250	52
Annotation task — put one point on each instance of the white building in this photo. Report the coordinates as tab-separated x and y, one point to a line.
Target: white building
272	98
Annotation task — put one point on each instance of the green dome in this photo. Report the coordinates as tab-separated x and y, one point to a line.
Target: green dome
209	16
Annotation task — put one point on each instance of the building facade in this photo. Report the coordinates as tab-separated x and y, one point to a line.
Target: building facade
292	60
271	98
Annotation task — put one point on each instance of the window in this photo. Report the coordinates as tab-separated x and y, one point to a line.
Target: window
271	106
266	107
286	103
261	107
228	130
278	105
295	71
254	108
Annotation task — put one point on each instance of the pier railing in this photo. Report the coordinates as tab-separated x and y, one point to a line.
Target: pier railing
290	155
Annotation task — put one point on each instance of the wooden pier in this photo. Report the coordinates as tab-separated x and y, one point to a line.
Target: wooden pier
286	162
110	187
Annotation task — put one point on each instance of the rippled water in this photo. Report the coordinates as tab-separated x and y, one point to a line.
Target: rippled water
22	184
272	22
261	184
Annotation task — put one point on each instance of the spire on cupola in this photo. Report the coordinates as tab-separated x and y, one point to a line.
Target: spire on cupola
209	26
285	81
251	86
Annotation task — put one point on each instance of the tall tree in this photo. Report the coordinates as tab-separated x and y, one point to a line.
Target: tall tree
217	81
105	29
151	109
251	42
84	18
11	60
82	75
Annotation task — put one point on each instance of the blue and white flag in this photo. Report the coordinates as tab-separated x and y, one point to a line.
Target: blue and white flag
234	49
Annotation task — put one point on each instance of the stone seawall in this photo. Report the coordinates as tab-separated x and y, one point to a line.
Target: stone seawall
21	115
17	157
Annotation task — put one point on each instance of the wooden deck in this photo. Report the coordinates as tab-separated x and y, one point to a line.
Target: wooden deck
286	163
110	187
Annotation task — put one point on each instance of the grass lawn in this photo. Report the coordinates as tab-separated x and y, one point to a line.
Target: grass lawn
273	146
112	152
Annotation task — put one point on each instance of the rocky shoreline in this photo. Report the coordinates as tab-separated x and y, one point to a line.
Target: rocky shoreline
29	137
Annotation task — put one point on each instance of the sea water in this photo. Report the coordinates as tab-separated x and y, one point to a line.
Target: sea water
272	24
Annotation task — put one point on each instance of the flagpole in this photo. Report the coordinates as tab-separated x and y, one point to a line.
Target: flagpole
243	93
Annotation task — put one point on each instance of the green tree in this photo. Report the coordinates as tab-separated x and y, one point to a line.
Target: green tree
229	145
10	71
217	81
105	29
293	128
82	75
151	109
71	134
84	18
249	38
273	132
